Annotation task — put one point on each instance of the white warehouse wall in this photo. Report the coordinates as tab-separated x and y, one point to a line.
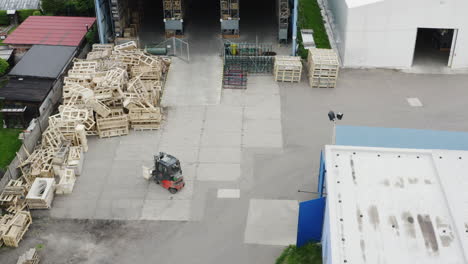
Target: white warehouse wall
382	33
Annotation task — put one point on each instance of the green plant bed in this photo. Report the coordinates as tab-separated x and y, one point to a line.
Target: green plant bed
308	254
9	145
310	17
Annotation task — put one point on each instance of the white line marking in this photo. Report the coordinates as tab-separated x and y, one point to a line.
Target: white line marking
228	193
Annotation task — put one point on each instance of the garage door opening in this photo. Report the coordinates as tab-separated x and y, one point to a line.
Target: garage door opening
259	21
152	21
434	47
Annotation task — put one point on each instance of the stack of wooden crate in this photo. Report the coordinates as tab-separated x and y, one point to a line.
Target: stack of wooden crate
13	227
323	67
287	69
114	125
30	257
13	193
120	15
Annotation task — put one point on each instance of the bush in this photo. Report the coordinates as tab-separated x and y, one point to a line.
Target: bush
24	14
308	254
4	65
37	13
4	19
91	36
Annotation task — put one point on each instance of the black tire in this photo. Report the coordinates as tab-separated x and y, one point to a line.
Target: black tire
173	190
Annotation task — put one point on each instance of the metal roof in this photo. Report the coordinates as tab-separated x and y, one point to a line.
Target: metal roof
19	4
44	61
388	205
5	53
32	90
51	30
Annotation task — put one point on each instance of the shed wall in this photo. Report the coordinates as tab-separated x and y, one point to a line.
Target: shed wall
383	34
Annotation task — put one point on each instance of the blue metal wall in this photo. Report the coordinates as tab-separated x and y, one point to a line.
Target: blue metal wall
104	20
310	223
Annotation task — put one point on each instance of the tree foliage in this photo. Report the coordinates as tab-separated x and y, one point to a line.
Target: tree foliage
4	65
68	7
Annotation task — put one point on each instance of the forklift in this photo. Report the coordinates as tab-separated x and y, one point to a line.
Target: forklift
167	172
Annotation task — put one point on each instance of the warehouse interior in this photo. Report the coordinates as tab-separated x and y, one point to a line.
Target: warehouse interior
201	20
433	47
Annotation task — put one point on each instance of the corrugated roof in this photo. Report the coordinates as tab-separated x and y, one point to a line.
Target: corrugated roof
44	61
5	53
33	90
51	30
19	4
405	206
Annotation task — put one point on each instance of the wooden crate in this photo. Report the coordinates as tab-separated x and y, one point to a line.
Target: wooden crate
287	69
323	67
29	257
18	227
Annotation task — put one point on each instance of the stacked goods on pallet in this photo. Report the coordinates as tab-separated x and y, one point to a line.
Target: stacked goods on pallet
230	18
288	69
173	9
119	10
13	227
283	19
41	194
30	257
323	67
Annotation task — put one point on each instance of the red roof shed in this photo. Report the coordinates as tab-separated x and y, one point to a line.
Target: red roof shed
51	30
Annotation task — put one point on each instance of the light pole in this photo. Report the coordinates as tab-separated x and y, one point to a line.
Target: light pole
333	117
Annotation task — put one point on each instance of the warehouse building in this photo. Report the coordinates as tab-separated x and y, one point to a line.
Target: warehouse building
192	18
400	34
390	195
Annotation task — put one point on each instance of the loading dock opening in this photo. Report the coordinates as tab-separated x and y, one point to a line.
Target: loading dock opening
434	47
242	21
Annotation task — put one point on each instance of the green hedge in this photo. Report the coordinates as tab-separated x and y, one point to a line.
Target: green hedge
4	20
3	66
310	17
308	254
23	14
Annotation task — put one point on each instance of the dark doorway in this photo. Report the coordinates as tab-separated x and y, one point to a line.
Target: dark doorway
152	23
433	47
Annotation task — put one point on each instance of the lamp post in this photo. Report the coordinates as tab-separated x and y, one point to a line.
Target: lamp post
333	117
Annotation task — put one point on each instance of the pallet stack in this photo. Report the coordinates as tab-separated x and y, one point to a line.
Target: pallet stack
120	18
30	257
288	69
13	227
114	89
13	193
283	19
323	67
173	9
